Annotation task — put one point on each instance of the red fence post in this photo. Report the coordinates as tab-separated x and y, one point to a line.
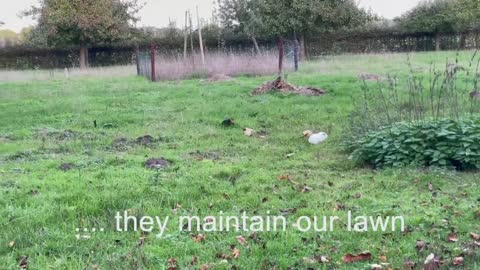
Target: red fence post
152	62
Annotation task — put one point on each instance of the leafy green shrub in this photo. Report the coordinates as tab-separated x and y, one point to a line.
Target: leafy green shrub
443	143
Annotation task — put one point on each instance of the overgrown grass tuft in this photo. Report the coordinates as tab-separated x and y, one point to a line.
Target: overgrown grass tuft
398	110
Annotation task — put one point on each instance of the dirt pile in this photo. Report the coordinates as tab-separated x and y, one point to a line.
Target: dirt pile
157	163
280	85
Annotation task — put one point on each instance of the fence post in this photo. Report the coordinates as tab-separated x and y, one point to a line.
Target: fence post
152	62
137	60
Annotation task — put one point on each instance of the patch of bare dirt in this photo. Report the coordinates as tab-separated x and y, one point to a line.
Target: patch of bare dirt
371	77
157	163
120	144
145	140
66	167
209	155
280	85
123	144
60	135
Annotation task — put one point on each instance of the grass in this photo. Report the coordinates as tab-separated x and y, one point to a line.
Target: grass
213	169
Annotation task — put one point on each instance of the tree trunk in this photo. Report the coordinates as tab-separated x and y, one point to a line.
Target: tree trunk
280	57
463	41
255	43
303	48
295	51
83	57
437	42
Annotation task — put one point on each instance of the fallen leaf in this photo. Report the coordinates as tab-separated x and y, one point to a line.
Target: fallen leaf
475	236
305	189
322	259
175	210
283	177
457	261
172	264
358	195
194	260
242	240
430	186
383	258
141	241
23	262
206	266
222	256
432	262
409	265
248	132
198	238
236	253
11	244
376	267
315	259
452	237
339	207
420	245
349	258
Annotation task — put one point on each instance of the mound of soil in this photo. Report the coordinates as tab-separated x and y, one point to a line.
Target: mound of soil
120	144
66	167
56	134
157	163
209	155
145	140
280	85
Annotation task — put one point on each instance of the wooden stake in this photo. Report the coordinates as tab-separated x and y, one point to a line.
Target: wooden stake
152	62
191	39
280	57
185	37
200	38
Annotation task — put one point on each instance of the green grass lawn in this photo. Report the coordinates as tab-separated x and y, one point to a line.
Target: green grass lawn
48	123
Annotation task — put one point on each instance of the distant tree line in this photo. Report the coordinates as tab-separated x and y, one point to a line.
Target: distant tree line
237	24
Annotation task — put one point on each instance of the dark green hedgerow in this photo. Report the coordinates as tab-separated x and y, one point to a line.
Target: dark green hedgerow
442	143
